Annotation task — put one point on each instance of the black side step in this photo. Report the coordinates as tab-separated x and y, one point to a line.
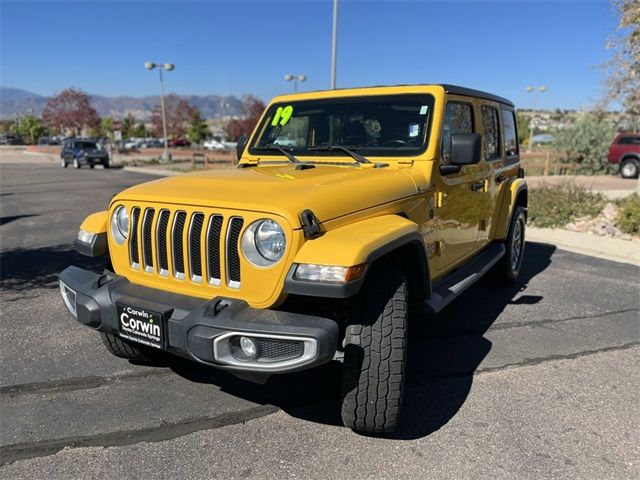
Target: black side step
447	289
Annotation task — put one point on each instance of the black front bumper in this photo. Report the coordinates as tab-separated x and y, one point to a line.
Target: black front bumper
193	325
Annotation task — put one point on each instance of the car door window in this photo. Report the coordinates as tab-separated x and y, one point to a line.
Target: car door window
491	132
510	135
458	118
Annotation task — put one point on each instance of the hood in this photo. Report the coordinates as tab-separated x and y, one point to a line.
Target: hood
329	191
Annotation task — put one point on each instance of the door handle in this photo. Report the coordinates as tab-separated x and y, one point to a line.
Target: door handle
477	186
500	178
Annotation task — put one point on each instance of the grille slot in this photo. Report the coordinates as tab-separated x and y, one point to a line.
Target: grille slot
195	256
147	252
233	256
213	249
280	349
133	243
176	243
161	242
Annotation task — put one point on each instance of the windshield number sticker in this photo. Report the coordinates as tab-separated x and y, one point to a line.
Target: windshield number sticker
282	116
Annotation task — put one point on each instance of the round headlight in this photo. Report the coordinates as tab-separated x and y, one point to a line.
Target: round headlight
264	243
120	224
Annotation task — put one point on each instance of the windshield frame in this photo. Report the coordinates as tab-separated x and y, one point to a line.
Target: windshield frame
372	151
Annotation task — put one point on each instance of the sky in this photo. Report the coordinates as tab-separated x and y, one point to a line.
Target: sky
244	47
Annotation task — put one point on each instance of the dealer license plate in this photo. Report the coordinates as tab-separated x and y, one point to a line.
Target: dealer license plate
141	325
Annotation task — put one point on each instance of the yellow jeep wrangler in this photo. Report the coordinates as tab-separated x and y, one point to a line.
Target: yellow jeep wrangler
346	205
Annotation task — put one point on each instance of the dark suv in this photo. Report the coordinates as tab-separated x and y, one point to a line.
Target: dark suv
83	152
625	150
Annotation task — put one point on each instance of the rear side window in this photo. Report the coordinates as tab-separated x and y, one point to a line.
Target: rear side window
510	135
491	135
458	118
629	141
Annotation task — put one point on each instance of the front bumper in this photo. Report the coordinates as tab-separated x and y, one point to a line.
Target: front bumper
201	329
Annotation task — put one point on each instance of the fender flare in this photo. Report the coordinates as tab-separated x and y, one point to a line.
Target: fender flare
506	204
95	223
361	242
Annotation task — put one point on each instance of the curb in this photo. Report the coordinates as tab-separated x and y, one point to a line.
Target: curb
153	171
607	248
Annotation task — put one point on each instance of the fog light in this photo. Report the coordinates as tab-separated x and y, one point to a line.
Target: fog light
69	298
248	347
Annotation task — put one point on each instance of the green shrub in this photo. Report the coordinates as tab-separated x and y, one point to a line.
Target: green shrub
555	206
629	214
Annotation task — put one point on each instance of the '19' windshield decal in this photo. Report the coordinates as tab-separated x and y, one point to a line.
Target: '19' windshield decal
282	116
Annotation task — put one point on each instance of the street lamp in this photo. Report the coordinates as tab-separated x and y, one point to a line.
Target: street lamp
168	67
296	79
533	90
334	45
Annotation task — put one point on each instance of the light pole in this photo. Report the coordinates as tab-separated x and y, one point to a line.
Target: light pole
534	90
334	45
168	67
296	79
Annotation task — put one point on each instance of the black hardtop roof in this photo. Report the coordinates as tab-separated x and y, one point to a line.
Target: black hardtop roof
470	92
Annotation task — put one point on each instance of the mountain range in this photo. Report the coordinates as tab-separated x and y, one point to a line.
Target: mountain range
15	102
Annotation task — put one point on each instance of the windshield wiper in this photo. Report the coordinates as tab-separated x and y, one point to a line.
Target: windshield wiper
272	147
332	148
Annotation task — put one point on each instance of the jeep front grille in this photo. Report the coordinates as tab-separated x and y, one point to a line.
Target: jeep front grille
170	244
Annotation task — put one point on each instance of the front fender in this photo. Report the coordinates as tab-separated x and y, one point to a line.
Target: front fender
362	242
506	204
96	222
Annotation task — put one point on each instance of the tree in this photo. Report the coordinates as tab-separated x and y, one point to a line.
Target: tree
586	141
128	124
70	110
178	113
139	131
523	127
253	108
106	127
198	129
30	128
623	69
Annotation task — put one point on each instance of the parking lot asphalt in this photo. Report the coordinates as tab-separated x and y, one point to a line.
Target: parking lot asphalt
538	380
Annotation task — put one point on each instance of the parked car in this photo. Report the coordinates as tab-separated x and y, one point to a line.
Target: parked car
179	142
10	139
392	196
152	143
78	152
625	151
213	144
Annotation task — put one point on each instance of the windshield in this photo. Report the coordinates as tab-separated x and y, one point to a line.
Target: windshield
86	145
390	125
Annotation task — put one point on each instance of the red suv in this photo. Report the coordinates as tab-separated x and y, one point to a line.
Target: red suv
625	150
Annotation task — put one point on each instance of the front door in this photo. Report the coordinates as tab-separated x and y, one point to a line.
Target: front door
458	214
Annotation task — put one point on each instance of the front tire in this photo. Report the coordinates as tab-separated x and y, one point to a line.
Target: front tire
63	163
121	348
509	266
630	168
375	355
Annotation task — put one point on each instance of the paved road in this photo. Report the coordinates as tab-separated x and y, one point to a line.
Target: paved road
535	381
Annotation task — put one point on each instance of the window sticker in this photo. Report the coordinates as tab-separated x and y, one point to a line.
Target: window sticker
282	116
424	109
414	129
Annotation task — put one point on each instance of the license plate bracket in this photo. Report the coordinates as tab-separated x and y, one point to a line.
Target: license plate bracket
141	325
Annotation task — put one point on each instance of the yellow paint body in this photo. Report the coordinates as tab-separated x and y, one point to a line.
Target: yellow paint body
360	209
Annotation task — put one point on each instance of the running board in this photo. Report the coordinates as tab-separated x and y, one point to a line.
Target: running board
447	289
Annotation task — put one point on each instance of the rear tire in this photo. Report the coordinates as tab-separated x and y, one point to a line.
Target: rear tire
76	164
508	268
91	165
375	355
122	348
630	168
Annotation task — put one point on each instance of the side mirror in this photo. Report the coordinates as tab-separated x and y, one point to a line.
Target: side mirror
465	148
240	146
